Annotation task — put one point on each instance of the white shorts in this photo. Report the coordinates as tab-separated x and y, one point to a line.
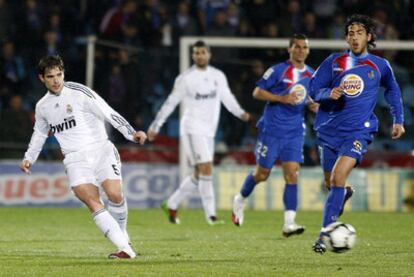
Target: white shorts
93	166
198	149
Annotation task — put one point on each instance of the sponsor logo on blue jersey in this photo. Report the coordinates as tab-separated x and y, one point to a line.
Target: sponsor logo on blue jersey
357	147
300	92
352	85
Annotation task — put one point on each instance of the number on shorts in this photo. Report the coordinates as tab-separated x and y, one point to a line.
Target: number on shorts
261	149
116	170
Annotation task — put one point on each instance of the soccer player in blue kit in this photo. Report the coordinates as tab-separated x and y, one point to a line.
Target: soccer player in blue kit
281	130
346	86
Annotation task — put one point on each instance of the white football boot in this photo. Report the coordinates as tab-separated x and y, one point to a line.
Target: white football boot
292	229
238	210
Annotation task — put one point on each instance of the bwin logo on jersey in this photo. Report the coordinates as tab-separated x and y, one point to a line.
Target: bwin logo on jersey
352	85
200	96
67	123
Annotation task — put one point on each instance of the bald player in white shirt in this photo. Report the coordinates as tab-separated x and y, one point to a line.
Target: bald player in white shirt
75	115
202	88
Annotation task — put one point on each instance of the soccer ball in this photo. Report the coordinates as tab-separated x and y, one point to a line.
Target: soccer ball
340	237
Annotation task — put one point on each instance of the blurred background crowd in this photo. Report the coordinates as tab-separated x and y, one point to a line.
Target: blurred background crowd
136	78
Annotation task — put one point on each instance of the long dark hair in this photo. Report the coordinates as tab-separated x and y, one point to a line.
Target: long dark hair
367	22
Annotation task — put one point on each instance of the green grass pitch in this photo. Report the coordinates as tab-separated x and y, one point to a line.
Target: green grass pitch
65	242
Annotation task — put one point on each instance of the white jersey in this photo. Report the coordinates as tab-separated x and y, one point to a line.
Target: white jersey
202	91
76	117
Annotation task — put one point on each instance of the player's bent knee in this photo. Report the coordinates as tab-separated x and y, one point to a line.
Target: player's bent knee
115	198
260	176
291	178
337	180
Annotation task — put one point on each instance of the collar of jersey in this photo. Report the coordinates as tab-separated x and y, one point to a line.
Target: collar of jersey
358	57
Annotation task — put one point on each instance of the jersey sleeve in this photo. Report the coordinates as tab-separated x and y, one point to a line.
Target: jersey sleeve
100	108
175	97
39	136
269	78
228	98
392	94
320	83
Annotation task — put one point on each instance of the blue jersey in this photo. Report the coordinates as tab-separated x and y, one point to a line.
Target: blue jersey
360	76
284	120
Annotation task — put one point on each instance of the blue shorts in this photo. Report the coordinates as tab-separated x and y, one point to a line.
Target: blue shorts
270	149
329	151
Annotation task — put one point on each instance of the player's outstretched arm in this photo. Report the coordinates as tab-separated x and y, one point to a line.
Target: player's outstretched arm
397	131
25	166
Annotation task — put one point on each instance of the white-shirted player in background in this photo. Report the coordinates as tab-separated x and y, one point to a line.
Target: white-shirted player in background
75	115
202	88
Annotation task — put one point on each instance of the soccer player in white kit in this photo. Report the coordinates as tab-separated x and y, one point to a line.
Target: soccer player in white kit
75	115
202	88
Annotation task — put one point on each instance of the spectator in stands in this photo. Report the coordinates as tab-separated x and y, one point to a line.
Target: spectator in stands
248	81
182	23
233	15
290	21
220	28
335	29
116	88
207	10
324	10
271	30
114	18
150	23
260	12
129	34
30	22
310	28
245	29
235	131
54	24
51	45
16	127
6	20
12	69
385	29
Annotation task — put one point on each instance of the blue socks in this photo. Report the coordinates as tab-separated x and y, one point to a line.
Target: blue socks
248	186
333	205
290	197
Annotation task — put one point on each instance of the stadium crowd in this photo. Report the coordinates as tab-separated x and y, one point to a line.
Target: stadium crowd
137	78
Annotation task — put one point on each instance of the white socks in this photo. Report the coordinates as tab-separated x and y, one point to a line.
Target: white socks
205	187
110	228
119	212
290	217
187	186
240	199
